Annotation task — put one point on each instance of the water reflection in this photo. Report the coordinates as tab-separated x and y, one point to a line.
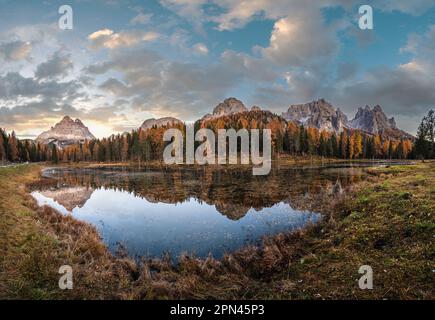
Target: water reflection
202	211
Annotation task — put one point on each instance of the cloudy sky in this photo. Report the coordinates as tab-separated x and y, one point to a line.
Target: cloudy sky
126	61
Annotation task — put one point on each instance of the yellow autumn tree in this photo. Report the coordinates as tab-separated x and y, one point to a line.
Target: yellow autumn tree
378	145
351	145
358	145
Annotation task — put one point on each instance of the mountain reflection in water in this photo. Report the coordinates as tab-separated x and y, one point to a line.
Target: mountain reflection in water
188	210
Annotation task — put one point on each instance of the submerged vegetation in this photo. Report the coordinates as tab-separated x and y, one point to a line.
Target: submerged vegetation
386	222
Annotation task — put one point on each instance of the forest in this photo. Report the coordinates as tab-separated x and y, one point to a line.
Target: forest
288	138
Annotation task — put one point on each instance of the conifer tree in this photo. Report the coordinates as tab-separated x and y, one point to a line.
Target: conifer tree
13	148
2	146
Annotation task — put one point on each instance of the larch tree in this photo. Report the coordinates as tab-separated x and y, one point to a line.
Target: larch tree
358	145
377	146
351	145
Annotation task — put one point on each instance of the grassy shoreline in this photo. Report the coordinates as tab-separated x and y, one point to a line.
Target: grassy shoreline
386	222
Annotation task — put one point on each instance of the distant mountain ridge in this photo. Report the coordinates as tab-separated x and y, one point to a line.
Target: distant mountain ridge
318	114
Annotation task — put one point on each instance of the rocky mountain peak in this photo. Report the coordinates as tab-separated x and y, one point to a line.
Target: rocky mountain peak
167	121
372	120
319	114
66	119
229	106
66	132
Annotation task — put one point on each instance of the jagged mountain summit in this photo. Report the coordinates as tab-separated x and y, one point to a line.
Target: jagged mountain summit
66	132
319	114
372	120
229	106
167	121
375	121
322	115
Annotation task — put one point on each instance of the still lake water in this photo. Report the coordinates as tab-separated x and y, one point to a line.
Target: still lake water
153	212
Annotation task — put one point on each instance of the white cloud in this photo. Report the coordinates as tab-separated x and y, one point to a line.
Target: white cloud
295	66
15	50
100	33
141	18
296	40
188	90
109	39
57	66
237	13
300	33
412	67
422	45
190	10
414	7
200	48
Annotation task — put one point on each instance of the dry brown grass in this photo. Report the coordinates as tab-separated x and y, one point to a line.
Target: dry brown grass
35	242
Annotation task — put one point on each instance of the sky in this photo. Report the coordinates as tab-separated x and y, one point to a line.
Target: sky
126	61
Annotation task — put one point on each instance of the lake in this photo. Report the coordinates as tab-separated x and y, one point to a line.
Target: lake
198	211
